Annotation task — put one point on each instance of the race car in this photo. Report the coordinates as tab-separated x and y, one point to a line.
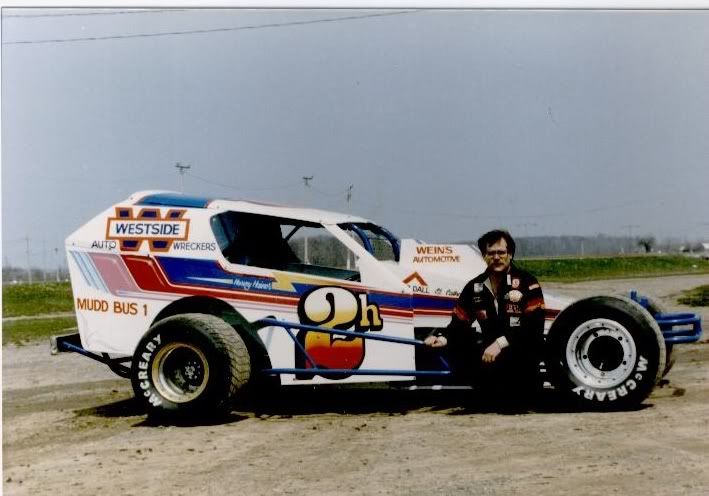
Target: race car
196	298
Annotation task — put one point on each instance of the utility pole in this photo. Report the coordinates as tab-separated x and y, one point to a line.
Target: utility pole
348	198
44	260
306	181
56	255
181	170
29	269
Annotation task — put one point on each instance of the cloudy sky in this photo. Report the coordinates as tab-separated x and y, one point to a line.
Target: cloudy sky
446	123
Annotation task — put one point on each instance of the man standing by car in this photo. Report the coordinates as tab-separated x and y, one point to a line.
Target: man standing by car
508	305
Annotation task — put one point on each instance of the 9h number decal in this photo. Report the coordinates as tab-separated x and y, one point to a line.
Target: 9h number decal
333	307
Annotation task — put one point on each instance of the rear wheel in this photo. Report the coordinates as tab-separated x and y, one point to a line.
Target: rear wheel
606	352
190	363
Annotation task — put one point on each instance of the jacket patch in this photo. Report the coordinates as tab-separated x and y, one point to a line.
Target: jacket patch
514	296
513	309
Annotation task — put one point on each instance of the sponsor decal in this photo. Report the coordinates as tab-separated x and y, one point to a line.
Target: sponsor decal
622	390
104	245
514	296
436	254
118	307
515	321
513	309
333	307
193	246
148	225
415	277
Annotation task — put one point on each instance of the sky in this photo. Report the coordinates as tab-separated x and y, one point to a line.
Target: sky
445	123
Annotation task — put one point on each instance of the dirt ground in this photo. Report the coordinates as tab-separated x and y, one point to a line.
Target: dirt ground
71	427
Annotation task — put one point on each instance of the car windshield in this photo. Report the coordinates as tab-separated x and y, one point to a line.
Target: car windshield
283	244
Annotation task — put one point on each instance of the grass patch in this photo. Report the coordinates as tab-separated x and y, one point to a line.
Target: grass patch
697	297
588	269
36	299
28	330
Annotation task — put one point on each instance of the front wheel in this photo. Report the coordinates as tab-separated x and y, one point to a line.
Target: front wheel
606	352
188	364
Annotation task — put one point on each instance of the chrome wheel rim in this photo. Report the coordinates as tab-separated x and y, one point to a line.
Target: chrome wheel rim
601	353
180	372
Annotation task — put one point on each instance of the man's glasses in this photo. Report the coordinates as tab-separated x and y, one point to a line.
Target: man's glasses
493	253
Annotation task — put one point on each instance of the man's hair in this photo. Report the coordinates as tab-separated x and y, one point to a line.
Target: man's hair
492	237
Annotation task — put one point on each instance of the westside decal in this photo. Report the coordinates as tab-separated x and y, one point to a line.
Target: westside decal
149	225
194	246
104	245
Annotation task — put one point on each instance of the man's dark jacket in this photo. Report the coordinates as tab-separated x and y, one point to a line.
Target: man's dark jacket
518	315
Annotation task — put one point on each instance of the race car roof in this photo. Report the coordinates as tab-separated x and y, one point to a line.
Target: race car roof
174	199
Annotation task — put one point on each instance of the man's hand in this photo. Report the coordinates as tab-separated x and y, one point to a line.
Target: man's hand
491	352
435	341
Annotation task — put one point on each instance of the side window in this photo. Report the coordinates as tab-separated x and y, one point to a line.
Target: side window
250	239
316	246
282	244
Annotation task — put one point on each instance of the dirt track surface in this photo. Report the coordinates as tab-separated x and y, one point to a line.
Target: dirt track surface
71	427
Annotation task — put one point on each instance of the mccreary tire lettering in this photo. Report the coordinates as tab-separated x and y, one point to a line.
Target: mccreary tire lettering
621	390
143	372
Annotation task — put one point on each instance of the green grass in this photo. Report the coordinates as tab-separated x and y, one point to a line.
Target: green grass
697	297
587	269
27	330
36	299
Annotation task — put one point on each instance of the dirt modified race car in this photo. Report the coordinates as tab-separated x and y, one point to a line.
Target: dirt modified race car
195	298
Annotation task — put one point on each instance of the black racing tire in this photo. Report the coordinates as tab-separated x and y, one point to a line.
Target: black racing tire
655	307
190	364
605	352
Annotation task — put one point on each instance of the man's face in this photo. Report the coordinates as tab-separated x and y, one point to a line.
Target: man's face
496	256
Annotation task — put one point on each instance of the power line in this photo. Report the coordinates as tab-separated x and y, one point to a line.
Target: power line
83	14
235	188
215	30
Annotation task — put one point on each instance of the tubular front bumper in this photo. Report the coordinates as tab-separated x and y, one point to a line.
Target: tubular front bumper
677	328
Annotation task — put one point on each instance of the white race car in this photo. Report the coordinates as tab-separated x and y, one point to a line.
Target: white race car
193	298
